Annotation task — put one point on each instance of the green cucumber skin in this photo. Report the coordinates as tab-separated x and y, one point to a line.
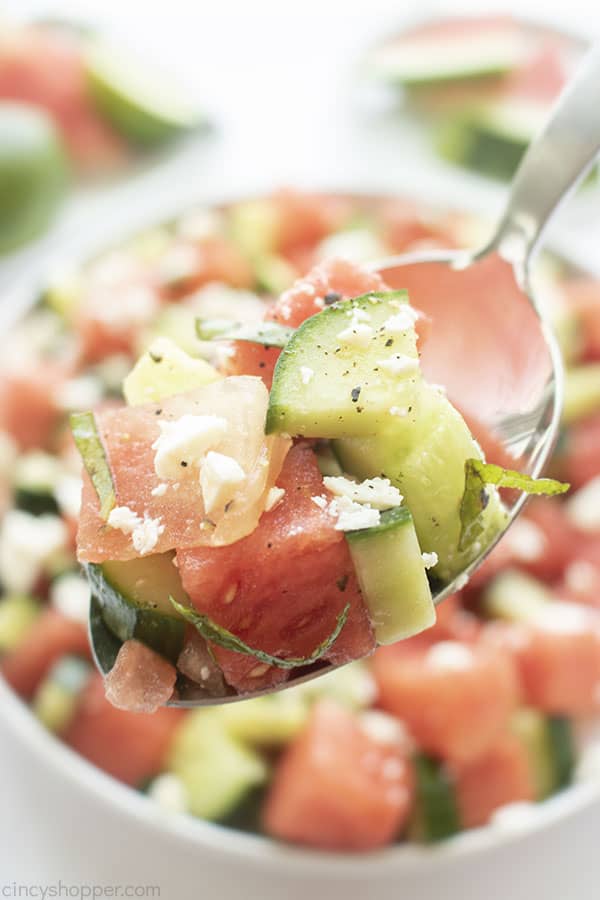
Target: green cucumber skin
37	502
126	620
436	816
315	409
390	520
560	734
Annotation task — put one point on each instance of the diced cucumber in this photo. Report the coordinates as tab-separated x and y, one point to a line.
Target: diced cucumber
265	721
17	615
435	815
56	699
134	596
217	772
550	745
165	369
352	686
423	453
64	292
36	476
327	460
582	392
392	576
345	368
273	273
254	226
514	596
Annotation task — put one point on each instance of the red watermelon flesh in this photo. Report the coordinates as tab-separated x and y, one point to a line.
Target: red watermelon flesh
281	588
128	434
140	680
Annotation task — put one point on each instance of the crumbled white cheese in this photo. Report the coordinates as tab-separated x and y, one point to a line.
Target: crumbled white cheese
27	544
563	618
137	306
429	560
526	540
352	516
179	262
398	411
450	655
581	576
583	509
169	792
67	493
357	334
78	393
306	374
321	502
382	727
274	496
160	490
144	532
402	321
358	314
185	440
461	581
398	364
378	493
220	478
70	595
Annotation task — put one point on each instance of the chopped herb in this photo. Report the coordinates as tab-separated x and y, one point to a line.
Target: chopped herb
210	631
269	334
476	498
91	449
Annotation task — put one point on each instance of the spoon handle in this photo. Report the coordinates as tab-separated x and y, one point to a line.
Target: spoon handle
555	161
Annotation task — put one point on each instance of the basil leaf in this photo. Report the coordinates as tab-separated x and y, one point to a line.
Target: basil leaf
269	334
91	450
475	498
224	638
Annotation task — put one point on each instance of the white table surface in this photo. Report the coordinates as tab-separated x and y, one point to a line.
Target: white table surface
278	79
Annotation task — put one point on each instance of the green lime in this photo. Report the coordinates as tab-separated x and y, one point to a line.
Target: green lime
144	107
33	173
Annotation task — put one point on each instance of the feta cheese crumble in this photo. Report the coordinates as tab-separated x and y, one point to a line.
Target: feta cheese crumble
70	595
450	655
220	478
526	540
144	532
352	516
398	364
383	728
306	374
429	560
402	321
160	490
184	442
27	544
274	496
378	493
357	334
169	792
583	509
321	501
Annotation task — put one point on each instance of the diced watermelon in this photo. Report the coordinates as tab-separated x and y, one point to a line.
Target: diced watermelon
129	746
455	697
581	581
584	297
557	658
406	229
338	788
128	434
28	407
541	78
51	637
282	587
453	623
140	680
499	777
303	219
211	258
579	455
558	539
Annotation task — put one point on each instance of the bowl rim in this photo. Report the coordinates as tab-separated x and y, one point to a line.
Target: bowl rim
194	832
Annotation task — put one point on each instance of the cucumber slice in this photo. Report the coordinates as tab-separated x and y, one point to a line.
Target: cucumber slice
582	392
254	227
345	368
143	107
134	597
392	576
435	816
56	700
551	749
423	453
515	596
36	476
269	721
17	615
273	273
217	772
163	370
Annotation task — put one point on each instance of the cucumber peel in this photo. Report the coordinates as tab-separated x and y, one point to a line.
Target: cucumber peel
91	450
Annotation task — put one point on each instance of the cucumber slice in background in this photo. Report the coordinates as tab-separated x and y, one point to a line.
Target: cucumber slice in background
350	388
145	107
17	615
392	577
36	476
56	700
550	746
435	816
134	601
423	453
515	596
33	173
582	392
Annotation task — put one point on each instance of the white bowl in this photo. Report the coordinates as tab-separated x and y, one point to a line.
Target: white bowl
66	821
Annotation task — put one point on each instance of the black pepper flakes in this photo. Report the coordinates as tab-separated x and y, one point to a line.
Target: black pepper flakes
183	464
331	297
355	393
389	342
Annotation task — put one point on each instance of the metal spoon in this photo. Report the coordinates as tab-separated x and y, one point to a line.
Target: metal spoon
490	345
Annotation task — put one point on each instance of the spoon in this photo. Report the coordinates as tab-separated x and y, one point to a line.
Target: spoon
502	366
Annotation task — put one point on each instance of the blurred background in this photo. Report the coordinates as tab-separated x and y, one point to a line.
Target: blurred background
193	102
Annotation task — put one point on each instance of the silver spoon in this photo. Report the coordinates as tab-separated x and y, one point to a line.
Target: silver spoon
501	365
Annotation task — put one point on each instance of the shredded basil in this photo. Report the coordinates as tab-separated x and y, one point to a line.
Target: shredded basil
269	334
91	449
224	638
475	498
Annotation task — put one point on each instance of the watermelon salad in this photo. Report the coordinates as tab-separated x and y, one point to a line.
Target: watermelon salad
469	721
483	85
